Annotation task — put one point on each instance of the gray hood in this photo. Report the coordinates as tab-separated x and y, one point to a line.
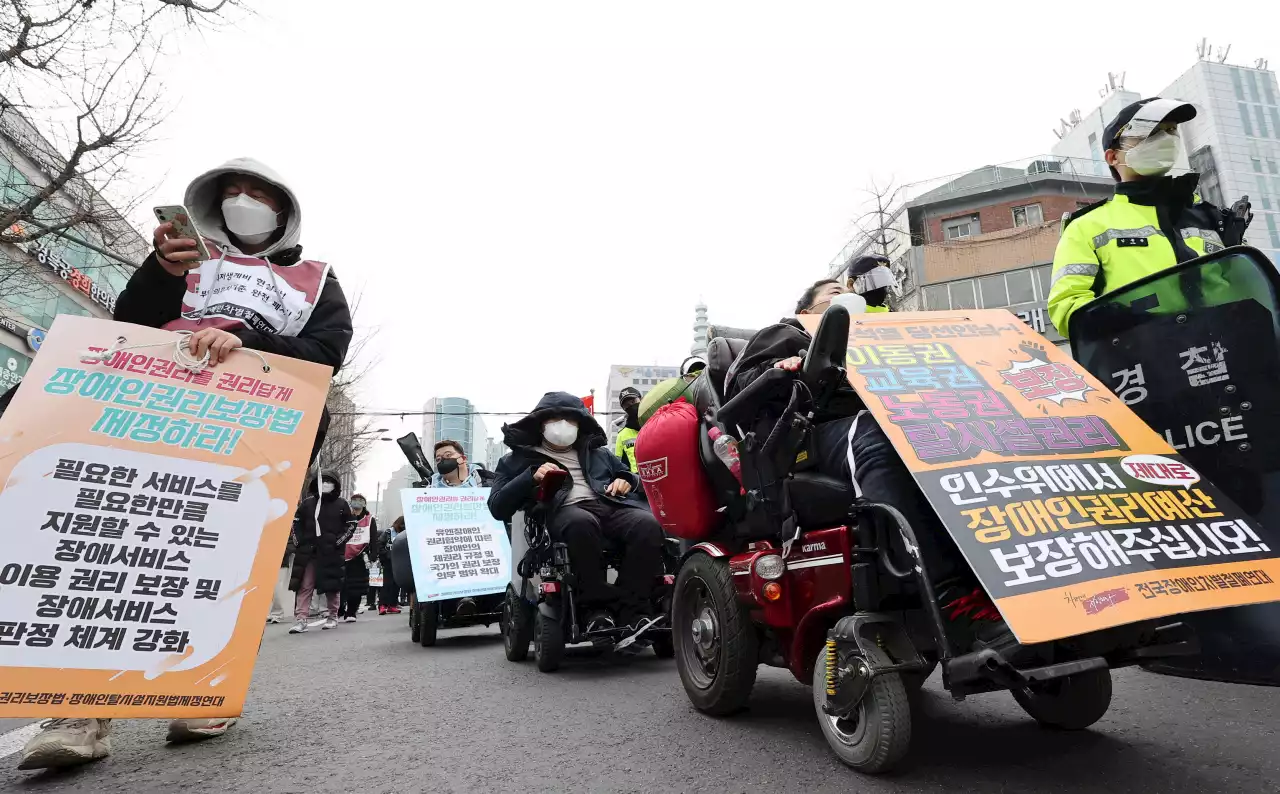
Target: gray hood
206	210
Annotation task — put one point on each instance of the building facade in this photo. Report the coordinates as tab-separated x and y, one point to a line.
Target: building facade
453	419
78	270
642	377
390	507
986	239
494	451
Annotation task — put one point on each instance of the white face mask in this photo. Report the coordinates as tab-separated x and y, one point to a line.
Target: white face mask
851	301
1156	155
326	487
560	433
249	219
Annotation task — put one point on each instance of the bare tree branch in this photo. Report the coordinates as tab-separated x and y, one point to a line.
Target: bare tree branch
79	98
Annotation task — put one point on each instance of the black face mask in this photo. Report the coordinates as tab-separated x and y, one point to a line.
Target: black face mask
633	416
447	466
876	297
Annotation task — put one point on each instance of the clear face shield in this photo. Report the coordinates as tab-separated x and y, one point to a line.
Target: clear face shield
875	278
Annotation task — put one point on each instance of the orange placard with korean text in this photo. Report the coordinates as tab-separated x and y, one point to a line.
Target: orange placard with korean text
146	509
1074	515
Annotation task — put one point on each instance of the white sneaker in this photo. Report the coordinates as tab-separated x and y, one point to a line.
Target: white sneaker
349	619
329	623
67	742
195	730
298	627
273	619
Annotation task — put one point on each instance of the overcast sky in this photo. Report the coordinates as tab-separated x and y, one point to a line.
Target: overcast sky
526	193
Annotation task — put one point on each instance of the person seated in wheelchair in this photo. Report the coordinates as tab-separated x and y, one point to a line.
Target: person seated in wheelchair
847	443
598	504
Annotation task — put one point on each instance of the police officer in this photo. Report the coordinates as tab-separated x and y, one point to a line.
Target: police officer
1153	221
625	447
870	277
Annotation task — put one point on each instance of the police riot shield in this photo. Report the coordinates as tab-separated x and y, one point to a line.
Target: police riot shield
1195	352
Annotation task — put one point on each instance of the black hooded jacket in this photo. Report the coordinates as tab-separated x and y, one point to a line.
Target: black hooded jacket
326	548
513	487
783	340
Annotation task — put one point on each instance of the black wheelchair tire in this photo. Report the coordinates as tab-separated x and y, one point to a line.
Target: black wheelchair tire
1069	704
517	626
548	642
428	622
415	625
738	653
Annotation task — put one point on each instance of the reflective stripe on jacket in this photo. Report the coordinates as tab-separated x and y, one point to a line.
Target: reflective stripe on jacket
1145	228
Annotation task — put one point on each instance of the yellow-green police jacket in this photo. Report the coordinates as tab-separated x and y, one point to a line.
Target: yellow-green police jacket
1144	228
625	448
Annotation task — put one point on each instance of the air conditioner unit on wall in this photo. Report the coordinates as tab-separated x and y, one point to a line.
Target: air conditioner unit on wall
1044	167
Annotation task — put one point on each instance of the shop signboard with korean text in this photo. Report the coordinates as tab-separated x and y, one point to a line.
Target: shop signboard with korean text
1074	515
146	511
456	547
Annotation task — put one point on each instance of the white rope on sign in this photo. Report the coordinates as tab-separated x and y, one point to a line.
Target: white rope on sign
180	356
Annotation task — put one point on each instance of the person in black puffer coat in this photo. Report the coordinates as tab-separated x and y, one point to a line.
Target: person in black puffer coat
318	562
600	501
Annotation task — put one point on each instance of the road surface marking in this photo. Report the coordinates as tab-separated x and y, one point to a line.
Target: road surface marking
14	740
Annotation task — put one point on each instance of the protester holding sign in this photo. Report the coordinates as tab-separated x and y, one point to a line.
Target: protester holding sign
257	292
850	444
361	552
251	221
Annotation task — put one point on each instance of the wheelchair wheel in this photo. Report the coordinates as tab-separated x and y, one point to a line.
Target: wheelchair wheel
714	641
1070	704
517	626
415	625
876	736
428	623
548	642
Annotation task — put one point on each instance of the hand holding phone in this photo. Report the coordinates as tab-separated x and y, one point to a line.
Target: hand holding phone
178	242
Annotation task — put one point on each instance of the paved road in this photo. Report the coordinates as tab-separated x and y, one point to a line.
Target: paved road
360	709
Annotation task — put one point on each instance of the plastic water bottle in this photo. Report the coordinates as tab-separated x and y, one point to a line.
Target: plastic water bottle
726	448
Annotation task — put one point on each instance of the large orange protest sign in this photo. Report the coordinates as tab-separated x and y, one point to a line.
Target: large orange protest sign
146	511
1074	515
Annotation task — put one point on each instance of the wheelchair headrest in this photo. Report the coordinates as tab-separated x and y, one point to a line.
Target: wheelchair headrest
721	353
725	332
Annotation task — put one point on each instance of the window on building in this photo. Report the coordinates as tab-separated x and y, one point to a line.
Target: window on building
1020	287
1257	165
1253	86
935	298
957	228
1275	233
994	295
1094	149
1266	89
1262	193
1275	120
1244	118
1044	278
962	296
1262	121
1028	215
1236	84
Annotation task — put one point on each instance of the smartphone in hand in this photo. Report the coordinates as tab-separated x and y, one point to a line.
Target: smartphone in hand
183	226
